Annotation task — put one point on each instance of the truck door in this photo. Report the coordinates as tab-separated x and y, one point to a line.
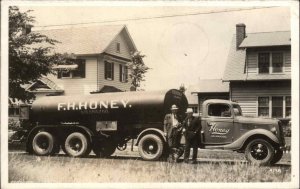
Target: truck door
218	125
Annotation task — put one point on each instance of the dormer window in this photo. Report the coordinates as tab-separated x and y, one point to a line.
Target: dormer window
277	62
263	62
118	47
66	71
270	62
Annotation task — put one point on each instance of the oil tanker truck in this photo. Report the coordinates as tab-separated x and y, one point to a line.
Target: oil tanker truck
101	123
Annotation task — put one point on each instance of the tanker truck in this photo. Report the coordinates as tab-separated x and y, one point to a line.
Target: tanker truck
101	123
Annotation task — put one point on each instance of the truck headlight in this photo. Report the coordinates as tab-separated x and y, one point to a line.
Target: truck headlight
273	130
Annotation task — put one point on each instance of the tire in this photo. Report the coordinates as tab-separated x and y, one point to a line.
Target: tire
151	147
43	144
259	152
77	145
277	156
104	149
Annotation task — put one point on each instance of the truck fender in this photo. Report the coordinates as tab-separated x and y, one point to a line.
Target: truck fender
240	142
160	133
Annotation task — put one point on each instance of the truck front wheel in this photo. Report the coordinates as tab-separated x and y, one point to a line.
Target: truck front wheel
151	147
259	152
77	145
43	144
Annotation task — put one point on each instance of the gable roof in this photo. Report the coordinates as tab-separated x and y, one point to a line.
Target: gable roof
235	65
44	85
236	61
86	40
280	38
210	86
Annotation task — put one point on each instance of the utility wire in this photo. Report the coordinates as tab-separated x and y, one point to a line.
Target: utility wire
159	17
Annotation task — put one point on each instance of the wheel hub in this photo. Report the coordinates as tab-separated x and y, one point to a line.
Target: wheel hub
151	147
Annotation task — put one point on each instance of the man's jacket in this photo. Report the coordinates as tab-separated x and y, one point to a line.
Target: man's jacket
168	124
192	127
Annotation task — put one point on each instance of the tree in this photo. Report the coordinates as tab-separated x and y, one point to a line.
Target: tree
137	69
30	54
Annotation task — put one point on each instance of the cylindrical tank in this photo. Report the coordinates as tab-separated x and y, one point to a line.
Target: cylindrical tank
124	107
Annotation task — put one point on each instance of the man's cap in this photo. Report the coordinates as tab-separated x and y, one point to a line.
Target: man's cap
174	107
189	110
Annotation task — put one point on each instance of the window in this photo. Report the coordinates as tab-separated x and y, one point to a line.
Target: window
263	62
277	62
109	70
220	110
123	73
118	47
13	111
274	106
277	107
195	109
263	106
237	110
79	72
288	106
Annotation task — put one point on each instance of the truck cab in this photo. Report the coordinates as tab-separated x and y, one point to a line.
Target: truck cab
225	127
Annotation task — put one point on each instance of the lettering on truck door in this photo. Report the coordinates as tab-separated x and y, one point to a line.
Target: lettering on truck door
218	125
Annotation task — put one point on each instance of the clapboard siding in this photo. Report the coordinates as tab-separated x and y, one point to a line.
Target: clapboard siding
287	61
124	48
246	93
75	86
252	61
124	86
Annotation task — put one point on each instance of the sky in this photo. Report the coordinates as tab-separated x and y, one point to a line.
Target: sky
179	50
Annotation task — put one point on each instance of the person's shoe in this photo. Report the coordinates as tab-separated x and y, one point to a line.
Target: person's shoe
186	161
194	161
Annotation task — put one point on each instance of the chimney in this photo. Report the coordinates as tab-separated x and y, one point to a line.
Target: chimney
240	34
26	29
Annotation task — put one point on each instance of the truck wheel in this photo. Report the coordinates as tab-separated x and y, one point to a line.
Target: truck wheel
259	152
43	144
77	145
151	147
277	156
104	149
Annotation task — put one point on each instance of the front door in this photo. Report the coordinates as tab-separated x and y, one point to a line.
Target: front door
218	126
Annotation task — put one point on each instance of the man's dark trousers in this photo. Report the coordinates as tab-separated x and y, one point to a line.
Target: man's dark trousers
191	143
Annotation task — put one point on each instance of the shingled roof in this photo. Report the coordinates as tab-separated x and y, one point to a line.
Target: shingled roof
85	40
267	39
210	86
235	66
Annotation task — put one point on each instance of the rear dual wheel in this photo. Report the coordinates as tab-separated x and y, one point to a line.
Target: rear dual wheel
44	144
77	145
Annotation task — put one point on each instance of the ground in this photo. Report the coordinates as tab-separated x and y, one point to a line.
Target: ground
127	166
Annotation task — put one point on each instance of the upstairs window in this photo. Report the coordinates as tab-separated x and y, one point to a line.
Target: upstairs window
263	62
123	73
277	62
118	47
109	70
263	106
79	72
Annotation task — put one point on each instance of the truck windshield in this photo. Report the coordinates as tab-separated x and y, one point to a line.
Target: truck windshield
237	110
